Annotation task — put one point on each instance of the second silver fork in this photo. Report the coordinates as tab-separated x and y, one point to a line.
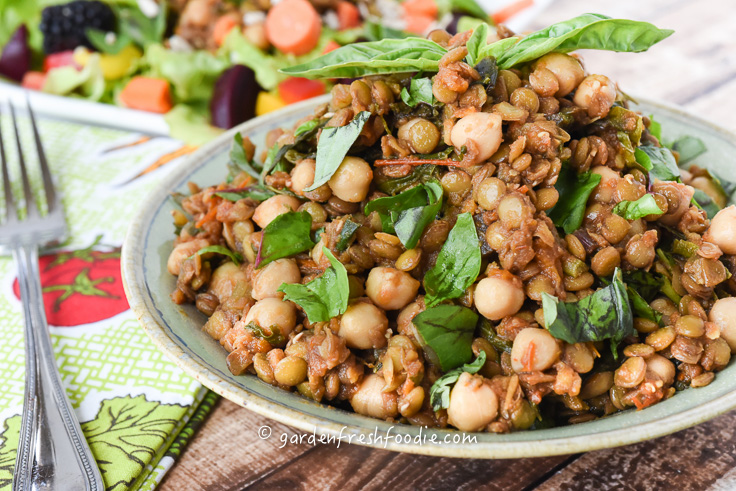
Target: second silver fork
52	451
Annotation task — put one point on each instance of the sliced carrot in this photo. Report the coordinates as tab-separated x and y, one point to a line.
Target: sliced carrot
293	26
348	15
426	8
147	94
330	46
34	80
295	89
222	28
511	10
418	24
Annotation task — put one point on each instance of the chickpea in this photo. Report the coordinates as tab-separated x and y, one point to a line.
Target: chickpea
302	176
352	180
498	297
290	371
183	251
274	206
603	192
390	288
568	71
484	129
596	93
534	349
660	368
273	312
421	135
370	400
363	326
722	231
473	404
723	314
489	192
512	210
268	280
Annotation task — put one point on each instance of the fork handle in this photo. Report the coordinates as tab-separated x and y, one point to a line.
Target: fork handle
52	451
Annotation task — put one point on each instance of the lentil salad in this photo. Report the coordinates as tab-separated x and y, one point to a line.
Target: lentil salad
482	236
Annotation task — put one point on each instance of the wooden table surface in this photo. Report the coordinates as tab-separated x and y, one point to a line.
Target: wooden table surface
695	68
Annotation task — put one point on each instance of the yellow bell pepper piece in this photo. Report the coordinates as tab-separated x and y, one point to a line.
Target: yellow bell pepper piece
113	66
267	102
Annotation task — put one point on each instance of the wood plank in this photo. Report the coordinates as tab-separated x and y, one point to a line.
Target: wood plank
354	467
227	451
693	459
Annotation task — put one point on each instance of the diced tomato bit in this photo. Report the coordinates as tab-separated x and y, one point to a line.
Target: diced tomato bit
34	80
427	8
330	46
56	60
297	89
348	15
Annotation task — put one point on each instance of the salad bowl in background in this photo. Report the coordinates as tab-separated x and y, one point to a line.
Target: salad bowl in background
177	330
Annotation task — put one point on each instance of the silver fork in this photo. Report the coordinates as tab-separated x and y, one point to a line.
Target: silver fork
52	452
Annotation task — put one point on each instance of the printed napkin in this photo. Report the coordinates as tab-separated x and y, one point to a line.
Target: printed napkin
137	409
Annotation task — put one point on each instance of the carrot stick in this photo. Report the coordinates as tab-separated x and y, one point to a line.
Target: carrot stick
511	10
147	94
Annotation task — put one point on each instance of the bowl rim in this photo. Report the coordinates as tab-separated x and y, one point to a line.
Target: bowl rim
135	290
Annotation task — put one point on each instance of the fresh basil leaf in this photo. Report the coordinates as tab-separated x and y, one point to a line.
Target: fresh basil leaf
258	193
574	190
333	146
466	23
633	210
346	233
420	90
99	41
277	158
324	297
655	128
407	214
659	162
446	333
488	332
286	235
307	126
439	393
238	157
689	148
458	263
705	202
373	58
645	283
587	31
641	307
605	314
476	42
218	249
420	174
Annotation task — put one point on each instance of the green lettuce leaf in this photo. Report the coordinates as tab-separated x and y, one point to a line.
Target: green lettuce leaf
574	190
191	123
446	333
324	297
439	393
286	235
458	263
87	82
192	75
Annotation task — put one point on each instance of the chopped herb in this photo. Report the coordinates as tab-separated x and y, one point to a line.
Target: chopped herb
458	263
446	333
333	146
218	249
324	297
659	162
257	192
633	210
420	91
439	393
307	126
346	233
272	334
574	190
705	202
689	147
605	314
655	128
238	157
286	235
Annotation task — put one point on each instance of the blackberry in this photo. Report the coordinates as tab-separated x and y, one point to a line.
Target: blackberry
64	26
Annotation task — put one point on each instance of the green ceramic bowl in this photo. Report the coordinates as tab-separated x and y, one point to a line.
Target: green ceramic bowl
177	330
